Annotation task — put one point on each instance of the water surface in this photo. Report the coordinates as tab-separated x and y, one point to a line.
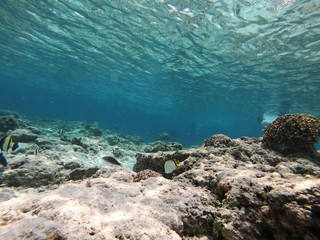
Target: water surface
189	68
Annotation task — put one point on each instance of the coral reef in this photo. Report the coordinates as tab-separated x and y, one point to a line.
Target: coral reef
256	193
45	157
58	187
292	133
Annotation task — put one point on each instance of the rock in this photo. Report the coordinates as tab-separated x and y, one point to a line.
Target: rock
106	172
24	136
145	174
133	139
162	146
34	130
31	171
87	144
47	142
6	194
72	165
125	142
113	140
81	173
281	209
117	152
227	189
9	122
93	129
254	188
37	171
108	208
219	140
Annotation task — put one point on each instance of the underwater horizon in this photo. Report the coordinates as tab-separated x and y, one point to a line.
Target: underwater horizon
189	69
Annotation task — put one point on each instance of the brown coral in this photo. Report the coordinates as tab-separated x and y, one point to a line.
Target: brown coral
144	174
292	133
218	140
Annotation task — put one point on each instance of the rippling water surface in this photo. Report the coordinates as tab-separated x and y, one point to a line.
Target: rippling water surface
191	68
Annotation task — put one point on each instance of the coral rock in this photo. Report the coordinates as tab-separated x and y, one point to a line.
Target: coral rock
80	173
218	140
258	194
30	172
9	122
163	146
107	208
292	133
23	135
143	175
93	129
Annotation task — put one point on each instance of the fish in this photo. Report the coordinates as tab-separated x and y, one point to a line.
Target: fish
111	160
3	160
61	131
6	143
35	149
171	165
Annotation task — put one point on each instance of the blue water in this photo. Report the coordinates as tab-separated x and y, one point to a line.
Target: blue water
187	68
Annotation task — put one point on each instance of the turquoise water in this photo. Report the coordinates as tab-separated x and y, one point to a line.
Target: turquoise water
187	68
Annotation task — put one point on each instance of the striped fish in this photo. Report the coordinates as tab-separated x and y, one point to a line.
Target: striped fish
6	143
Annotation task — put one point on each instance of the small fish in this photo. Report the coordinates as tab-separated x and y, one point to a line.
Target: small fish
61	131
3	160
111	160
35	149
6	143
171	165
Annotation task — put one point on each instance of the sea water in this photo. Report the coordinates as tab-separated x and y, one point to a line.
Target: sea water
189	69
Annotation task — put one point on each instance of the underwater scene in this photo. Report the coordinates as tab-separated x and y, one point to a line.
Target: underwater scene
160	119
